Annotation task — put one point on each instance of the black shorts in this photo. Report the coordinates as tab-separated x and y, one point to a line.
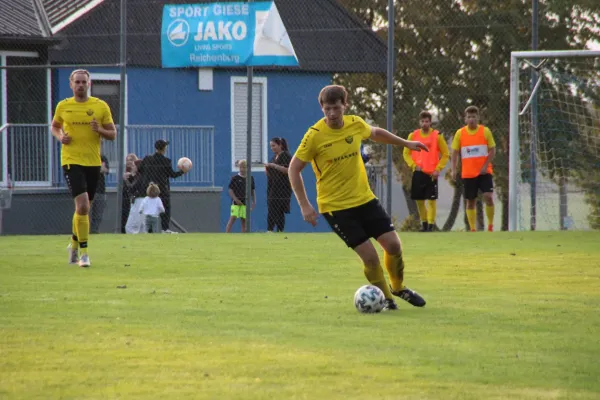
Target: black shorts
472	186
424	187
358	224
81	179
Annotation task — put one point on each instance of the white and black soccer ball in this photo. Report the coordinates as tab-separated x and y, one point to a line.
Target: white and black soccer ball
369	299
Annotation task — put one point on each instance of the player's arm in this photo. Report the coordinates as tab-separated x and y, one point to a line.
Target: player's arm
294	172
443	146
57	126
380	135
108	131
491	150
106	127
406	154
454	156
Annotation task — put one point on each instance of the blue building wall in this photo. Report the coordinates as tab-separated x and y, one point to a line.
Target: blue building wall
171	97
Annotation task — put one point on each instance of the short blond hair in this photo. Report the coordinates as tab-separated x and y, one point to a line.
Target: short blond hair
241	162
153	190
79	71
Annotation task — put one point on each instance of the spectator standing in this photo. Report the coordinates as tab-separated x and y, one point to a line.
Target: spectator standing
279	190
158	168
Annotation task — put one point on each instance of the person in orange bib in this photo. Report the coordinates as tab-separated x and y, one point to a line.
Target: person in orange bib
426	169
477	150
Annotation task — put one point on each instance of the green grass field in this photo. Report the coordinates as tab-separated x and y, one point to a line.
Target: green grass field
509	316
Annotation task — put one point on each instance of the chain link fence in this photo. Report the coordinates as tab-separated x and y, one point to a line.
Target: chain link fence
453	55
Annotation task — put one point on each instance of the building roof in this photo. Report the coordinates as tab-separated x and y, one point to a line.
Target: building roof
18	18
325	36
61	13
35	19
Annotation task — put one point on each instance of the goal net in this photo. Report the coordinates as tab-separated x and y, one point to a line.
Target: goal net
554	177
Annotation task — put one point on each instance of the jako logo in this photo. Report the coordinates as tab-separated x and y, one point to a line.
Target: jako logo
178	32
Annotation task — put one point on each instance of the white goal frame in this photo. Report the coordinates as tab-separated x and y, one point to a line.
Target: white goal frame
514	155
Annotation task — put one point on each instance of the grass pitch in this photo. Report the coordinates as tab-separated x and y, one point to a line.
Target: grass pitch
509	316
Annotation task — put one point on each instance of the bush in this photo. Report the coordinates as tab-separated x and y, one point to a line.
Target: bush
411	224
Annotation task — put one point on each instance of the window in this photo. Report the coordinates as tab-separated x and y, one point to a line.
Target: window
239	121
109	91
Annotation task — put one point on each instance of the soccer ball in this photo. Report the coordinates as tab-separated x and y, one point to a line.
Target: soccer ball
184	164
369	299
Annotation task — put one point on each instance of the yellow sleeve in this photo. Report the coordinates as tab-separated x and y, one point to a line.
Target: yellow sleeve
106	114
443	146
456	141
489	138
58	113
307	149
407	155
365	131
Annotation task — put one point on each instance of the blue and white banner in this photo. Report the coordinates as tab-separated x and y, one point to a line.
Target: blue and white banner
225	35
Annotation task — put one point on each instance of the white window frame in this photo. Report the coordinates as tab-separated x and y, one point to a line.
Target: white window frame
265	135
101	76
4	54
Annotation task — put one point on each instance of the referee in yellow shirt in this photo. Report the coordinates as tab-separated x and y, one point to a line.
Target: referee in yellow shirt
80	123
344	196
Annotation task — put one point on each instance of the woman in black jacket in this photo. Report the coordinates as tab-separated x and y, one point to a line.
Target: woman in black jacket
279	190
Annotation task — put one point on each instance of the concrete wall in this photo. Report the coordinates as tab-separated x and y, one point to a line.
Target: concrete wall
37	212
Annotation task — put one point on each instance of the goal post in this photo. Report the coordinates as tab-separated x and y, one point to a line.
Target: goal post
554	140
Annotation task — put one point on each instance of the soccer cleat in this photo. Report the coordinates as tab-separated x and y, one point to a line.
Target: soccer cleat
73	254
410	296
390	304
84	261
490	228
425	227
169	231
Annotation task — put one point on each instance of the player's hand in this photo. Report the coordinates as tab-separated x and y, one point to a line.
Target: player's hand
435	174
416	146
94	125
238	202
65	138
309	214
483	170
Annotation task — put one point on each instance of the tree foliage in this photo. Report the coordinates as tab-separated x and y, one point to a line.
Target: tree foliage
451	54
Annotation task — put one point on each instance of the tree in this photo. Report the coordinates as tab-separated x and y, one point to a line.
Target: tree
457	54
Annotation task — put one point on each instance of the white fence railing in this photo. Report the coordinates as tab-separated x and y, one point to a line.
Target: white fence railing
30	157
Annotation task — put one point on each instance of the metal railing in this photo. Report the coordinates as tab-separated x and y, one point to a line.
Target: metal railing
29	156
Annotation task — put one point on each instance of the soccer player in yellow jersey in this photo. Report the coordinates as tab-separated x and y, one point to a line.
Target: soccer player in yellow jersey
344	196
426	169
79	123
477	150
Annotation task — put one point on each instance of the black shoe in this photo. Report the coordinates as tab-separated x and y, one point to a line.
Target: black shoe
390	304
410	296
430	227
425	227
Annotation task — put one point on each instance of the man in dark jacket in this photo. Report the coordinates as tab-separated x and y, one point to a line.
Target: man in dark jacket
157	168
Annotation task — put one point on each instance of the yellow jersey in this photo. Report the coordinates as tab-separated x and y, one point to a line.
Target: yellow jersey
75	118
489	138
336	160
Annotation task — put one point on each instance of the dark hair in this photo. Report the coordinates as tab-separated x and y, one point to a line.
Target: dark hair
330	94
471	110
280	142
424	115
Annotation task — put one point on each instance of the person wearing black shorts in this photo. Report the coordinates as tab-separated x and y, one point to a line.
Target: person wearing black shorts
79	124
344	196
426	169
477	148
